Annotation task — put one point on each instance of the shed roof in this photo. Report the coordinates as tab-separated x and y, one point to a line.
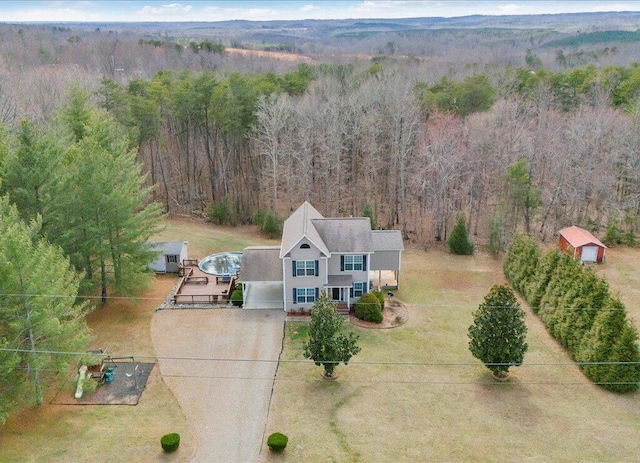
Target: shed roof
578	237
386	240
168	247
260	263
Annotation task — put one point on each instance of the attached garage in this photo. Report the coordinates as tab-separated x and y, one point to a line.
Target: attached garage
582	244
261	278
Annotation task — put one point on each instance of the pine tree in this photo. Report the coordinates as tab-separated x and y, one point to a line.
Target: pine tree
371	214
497	335
38	311
459	239
98	211
26	171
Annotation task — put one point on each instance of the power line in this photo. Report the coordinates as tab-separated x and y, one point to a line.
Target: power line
250	360
275	302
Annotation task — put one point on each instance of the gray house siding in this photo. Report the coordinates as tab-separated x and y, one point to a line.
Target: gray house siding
385	260
303	268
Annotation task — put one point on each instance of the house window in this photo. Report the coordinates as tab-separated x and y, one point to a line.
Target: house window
352	263
305	246
305	295
172	259
305	268
358	289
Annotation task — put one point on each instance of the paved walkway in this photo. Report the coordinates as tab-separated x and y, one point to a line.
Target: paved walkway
226	402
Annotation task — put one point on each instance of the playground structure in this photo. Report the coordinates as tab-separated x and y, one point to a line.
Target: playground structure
99	366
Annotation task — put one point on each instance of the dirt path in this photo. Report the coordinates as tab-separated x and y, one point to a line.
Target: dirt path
226	402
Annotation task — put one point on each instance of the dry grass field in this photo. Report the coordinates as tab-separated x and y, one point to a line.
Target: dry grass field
622	271
63	433
415	393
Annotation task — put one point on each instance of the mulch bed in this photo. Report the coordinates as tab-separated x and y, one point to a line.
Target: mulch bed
395	314
129	380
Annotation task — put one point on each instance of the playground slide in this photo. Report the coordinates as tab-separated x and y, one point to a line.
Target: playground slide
82	377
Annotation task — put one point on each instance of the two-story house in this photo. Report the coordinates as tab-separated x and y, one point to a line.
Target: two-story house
318	254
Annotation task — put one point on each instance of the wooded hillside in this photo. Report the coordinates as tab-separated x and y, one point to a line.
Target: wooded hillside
514	130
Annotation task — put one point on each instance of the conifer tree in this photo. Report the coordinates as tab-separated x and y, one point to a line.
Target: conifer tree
610	350
459	239
497	335
98	211
38	311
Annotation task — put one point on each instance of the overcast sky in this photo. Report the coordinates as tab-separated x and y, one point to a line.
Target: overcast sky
206	10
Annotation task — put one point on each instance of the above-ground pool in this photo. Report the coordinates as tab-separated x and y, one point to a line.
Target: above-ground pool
224	263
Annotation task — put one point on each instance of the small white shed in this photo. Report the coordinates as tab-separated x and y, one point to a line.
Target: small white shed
170	255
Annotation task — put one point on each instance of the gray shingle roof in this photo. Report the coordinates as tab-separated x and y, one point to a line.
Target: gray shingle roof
386	240
299	225
345	234
260	263
339	280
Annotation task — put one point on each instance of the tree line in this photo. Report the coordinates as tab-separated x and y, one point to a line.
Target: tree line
579	312
531	150
75	219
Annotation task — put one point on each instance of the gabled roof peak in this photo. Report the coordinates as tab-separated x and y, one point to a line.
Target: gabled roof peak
577	236
299	225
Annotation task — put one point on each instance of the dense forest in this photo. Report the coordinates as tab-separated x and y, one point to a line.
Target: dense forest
518	127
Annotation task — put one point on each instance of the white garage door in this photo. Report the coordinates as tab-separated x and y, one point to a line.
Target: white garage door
589	253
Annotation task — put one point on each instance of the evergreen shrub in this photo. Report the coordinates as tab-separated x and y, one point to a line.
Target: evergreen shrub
277	442
459	239
610	340
368	308
221	213
268	222
170	442
237	296
380	296
576	306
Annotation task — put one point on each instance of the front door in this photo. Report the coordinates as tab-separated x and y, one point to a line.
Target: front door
335	294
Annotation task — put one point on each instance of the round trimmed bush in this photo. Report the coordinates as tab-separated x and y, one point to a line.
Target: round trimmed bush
277	441
170	442
368	308
380	297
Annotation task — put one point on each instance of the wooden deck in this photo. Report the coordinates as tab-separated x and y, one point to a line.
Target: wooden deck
197	287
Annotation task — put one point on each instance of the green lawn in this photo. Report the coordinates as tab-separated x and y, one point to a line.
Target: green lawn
442	404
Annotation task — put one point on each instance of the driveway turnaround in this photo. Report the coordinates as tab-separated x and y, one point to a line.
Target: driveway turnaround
220	364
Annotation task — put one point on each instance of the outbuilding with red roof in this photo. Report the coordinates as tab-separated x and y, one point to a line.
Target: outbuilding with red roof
582	244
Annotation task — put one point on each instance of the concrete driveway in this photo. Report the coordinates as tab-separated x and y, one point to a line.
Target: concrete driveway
226	402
